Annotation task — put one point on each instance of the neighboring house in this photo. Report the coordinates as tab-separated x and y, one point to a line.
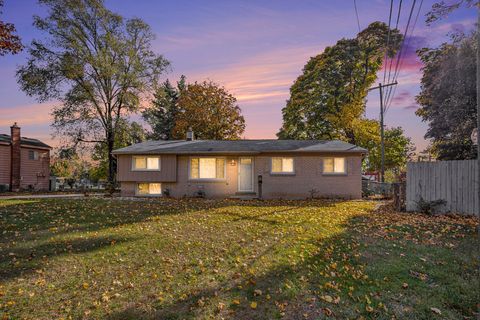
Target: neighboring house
287	169
24	162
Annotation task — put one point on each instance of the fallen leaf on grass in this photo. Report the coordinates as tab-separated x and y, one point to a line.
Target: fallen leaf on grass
436	310
253	305
419	275
327	312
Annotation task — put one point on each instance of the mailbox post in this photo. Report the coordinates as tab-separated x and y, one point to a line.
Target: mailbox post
260	181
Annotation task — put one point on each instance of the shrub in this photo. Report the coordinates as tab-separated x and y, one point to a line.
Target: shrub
200	194
429	207
166	192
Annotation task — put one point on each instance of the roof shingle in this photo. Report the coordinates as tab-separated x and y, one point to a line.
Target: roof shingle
238	146
25	141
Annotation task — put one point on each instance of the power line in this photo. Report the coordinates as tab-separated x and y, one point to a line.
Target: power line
356	14
402	46
388	42
390	99
396	28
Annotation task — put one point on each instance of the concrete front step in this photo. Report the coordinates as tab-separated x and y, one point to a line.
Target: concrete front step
244	196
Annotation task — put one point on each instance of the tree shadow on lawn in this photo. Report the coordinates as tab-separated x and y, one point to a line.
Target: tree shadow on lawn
291	286
296	287
259	217
70	215
18	261
73	215
27	222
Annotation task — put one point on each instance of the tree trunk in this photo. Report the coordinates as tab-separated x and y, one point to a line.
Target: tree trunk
350	136
111	163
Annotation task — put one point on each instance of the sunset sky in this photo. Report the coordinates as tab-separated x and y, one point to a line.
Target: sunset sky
256	49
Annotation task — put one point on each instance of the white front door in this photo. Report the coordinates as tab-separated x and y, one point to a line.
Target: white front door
245	174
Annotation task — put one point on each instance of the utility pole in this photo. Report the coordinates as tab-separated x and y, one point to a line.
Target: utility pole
382	127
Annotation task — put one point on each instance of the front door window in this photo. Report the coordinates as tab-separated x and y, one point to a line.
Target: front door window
245	174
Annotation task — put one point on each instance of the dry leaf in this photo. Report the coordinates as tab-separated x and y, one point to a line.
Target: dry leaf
436	310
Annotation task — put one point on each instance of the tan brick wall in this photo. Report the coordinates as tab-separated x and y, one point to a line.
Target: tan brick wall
308	176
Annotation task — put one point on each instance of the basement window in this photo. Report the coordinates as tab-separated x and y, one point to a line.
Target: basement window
149	189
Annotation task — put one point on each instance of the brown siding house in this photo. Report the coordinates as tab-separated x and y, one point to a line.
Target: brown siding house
24	162
269	169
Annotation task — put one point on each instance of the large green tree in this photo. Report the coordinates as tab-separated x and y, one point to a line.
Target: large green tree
398	149
448	96
97	65
162	115
328	100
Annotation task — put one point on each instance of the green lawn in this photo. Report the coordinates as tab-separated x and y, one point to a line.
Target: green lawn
199	259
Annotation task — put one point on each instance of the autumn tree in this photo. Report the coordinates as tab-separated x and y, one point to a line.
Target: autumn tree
69	165
448	96
162	115
96	64
9	41
328	100
209	109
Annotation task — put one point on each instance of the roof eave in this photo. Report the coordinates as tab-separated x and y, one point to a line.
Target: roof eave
45	147
239	152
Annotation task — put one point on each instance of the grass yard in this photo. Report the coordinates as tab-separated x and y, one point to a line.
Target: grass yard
200	259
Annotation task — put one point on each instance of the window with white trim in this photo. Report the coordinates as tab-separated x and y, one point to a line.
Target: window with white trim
282	165
207	168
334	165
145	163
146	189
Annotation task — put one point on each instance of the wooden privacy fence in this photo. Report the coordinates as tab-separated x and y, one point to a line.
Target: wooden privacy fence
456	182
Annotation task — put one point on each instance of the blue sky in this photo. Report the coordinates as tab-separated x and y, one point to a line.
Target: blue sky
256	49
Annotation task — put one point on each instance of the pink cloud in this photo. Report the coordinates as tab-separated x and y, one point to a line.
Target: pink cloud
402	97
412	107
266	76
33	114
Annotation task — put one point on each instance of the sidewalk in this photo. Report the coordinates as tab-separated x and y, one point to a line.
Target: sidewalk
43	196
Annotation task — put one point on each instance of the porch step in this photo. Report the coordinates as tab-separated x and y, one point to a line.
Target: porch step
244	196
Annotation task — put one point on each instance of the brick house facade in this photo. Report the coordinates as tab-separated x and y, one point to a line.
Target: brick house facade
269	169
24	162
